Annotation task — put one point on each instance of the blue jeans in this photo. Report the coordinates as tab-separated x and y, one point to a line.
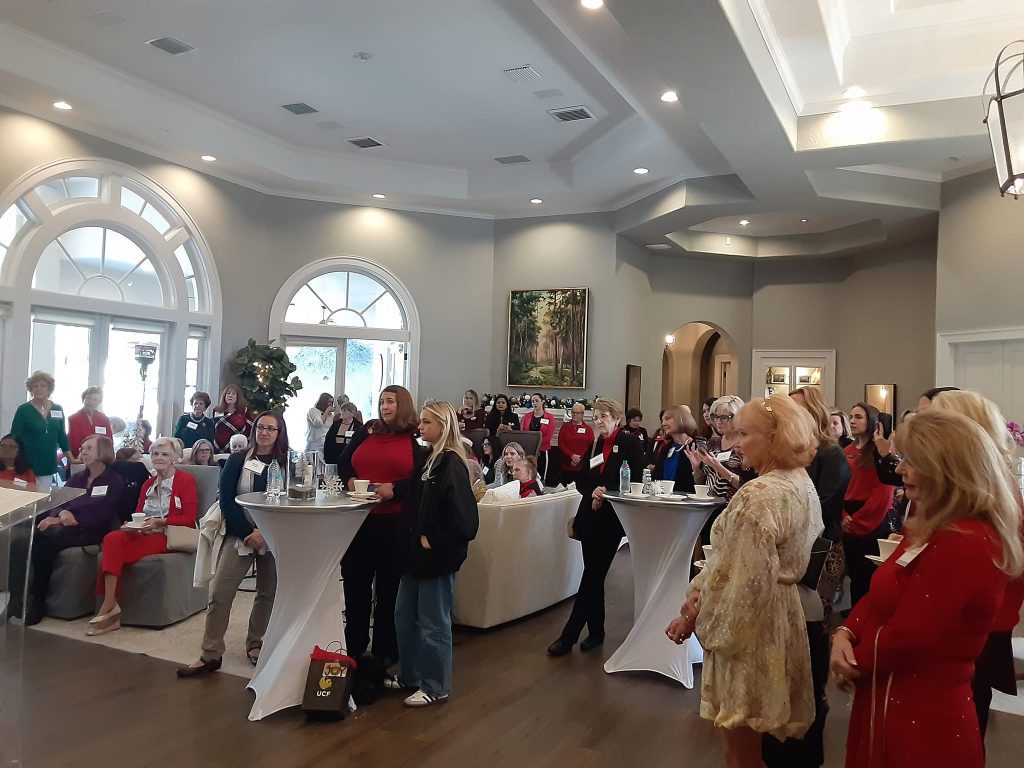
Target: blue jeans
423	622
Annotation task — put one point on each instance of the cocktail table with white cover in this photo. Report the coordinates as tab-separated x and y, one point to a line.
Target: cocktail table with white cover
662	534
308	539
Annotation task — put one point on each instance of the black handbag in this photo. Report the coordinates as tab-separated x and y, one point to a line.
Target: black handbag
819	553
328	684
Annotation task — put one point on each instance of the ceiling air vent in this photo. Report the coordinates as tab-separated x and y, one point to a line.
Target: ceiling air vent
522	74
364	143
300	108
512	159
171	45
571	114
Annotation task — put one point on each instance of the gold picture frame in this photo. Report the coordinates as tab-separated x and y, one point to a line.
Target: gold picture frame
547	338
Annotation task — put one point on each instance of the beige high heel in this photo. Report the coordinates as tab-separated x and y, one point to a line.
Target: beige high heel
102	617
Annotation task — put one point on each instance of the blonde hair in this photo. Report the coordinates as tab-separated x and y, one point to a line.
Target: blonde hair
530	463
793	439
985	414
730	403
814	404
684	421
40	376
610	406
935	443
843	417
450	440
170	443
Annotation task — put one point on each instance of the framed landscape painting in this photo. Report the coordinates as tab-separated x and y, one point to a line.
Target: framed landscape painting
547	338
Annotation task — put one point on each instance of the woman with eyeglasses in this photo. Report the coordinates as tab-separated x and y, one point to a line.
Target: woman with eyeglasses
575	439
719	466
487	460
202	454
243	546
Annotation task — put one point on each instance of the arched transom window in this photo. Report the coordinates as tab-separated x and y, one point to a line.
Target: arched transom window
345	298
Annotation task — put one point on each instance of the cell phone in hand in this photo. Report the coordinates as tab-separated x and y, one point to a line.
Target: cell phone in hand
372	487
701	445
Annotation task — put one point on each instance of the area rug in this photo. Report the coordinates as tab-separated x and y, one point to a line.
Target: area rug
179	642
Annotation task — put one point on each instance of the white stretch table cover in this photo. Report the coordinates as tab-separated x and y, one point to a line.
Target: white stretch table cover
520	562
662	535
308	539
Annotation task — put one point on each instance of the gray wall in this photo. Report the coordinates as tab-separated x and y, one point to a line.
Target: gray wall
980	249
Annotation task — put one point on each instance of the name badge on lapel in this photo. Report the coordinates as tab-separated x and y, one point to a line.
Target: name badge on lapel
615	449
724	456
191	425
56	413
596	461
350	433
544	421
177	502
98	490
581	430
908	555
671	452
101	430
255	466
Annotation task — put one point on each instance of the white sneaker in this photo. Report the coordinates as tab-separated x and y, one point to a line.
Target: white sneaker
424	699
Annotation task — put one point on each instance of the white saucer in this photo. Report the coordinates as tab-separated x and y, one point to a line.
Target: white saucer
695	497
672	497
636	495
365	495
133	527
875	559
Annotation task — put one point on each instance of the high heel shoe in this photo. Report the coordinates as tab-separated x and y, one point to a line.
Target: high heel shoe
103	617
102	629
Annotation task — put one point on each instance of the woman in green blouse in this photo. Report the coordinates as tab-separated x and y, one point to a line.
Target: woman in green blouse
40	425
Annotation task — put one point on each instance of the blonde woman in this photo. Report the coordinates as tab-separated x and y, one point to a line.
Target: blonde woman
719	465
438	542
994	668
745	605
908	647
39	424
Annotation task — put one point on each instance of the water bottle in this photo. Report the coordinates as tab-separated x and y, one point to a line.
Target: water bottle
499	474
275	485
624	478
649	489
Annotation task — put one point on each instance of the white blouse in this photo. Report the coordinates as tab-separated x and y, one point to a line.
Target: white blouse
158	498
317	426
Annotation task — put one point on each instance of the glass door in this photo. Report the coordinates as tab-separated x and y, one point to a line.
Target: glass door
371	365
63	350
317	368
123	391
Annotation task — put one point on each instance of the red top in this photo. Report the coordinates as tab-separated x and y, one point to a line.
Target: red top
184	499
529	489
547	430
228	424
80	427
918	631
865	486
8	474
384	458
609	443
573	441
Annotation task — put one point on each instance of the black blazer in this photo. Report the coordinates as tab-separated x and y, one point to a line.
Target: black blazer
334	445
684	474
830	473
446	514
603	522
495	419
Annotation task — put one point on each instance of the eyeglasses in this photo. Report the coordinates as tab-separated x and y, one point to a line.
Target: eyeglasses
263	428
721	417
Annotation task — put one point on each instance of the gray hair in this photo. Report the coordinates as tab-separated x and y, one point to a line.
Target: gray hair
170	443
726	404
238	439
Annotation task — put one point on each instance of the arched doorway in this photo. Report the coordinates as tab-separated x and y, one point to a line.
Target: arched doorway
699	363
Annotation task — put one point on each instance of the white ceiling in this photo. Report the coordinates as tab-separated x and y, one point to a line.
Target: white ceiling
756	134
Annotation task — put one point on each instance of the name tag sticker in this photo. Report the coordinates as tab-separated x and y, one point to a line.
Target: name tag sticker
255	466
56	414
724	456
581	431
908	556
101	430
596	461
350	433
99	490
191	425
615	449
544	421
177	502
20	482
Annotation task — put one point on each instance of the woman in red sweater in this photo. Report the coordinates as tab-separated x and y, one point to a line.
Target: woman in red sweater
539	420
866	504
907	649
575	439
88	421
168	498
385	454
232	417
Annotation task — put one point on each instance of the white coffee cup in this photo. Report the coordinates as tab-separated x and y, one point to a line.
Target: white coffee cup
362	486
636	488
702	491
138	518
886	547
666	486
707	551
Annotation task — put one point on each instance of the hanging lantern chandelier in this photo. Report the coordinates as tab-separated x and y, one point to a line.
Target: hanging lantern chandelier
1004	116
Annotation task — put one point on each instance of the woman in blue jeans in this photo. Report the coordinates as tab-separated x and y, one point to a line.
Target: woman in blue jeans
438	537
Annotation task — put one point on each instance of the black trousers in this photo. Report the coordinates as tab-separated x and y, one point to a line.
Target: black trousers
808	752
45	549
599	550
859	568
372	557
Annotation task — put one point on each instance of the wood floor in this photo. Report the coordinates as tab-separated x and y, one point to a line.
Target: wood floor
88	706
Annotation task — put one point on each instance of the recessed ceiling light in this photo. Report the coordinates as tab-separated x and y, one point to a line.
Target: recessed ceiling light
640	171
536	201
208	158
592	5
855	92
669	96
61	105
379	196
744	222
803	221
856	106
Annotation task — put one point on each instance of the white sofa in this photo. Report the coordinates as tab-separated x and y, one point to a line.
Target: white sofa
520	562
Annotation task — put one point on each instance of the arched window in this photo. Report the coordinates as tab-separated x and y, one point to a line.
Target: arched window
351	328
94	259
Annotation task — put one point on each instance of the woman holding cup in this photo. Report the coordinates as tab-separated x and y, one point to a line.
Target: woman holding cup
319	419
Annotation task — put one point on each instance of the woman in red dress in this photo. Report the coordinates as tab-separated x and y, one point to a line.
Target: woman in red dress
232	417
907	649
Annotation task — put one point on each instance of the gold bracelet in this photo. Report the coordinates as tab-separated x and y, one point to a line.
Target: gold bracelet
847	630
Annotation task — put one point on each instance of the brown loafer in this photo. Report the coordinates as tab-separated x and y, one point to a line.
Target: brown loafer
208	665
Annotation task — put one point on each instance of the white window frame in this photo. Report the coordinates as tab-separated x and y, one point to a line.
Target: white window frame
49	222
327	335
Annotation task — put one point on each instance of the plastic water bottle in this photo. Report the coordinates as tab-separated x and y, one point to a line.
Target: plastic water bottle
499	474
624	478
275	484
649	489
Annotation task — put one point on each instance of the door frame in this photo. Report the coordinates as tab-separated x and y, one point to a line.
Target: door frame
945	348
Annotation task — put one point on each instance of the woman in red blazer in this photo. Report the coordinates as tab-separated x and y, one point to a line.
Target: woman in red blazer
168	498
539	420
575	439
907	649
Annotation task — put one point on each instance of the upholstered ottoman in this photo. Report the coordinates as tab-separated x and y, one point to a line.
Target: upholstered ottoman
157	590
73	583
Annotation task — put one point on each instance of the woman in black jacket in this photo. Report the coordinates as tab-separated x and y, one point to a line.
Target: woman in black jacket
501	417
344	429
670	462
596	525
438	538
